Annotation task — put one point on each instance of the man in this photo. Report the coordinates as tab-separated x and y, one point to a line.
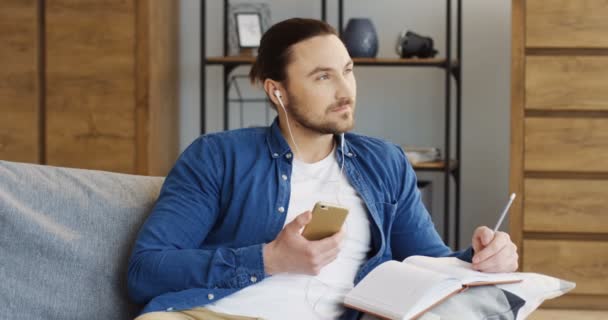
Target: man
224	239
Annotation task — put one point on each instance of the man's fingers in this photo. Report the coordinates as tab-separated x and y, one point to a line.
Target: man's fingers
504	261
487	236
499	241
493	262
330	256
499	256
483	236
300	221
329	243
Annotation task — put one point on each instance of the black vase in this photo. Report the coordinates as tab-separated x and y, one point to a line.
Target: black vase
360	38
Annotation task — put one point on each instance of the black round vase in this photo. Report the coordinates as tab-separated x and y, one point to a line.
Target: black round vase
360	38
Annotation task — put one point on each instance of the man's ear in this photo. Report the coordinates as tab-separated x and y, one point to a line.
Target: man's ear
270	86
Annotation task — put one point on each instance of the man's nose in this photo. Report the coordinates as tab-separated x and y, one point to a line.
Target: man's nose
344	89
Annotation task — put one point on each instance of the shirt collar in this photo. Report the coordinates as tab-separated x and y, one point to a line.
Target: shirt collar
278	146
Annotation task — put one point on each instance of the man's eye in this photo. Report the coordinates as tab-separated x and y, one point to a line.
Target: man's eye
324	76
349	70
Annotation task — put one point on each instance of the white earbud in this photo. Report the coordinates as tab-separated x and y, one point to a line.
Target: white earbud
277	93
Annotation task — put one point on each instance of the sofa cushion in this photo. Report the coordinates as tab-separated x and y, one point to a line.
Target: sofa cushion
65	238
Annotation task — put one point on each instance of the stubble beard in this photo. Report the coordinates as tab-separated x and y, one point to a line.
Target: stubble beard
323	126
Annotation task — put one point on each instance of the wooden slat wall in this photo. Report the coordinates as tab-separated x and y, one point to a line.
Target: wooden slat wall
566	205
559	144
90	89
19	128
516	180
157	86
584	262
572	144
567	23
568	315
567	82
90	84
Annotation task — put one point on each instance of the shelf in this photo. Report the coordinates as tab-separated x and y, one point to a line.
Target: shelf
403	62
228	60
244	60
435	166
452	68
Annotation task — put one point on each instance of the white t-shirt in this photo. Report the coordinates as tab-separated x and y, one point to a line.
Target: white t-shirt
298	296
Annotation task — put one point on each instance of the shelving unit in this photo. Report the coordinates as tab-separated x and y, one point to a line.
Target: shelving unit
450	64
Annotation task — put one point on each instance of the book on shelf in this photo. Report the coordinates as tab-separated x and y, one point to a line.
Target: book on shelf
422	154
407	289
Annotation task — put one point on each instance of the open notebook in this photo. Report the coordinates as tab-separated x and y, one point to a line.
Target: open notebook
405	290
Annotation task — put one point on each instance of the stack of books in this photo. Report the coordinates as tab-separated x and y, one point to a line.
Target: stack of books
422	154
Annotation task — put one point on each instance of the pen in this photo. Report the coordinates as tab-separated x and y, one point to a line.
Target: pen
504	212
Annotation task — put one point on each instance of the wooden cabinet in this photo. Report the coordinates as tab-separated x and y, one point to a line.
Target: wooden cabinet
559	144
19	70
89	84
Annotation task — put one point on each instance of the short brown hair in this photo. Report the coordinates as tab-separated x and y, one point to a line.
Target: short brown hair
274	53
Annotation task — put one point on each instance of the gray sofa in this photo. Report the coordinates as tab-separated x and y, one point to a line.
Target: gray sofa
65	238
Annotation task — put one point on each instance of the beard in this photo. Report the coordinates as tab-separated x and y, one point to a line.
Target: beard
322	124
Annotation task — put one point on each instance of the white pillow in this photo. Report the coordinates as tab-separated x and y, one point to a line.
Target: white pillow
535	289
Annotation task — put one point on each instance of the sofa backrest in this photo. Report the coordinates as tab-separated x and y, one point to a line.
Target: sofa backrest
65	238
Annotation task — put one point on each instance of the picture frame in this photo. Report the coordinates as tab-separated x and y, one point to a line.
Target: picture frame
248	29
263	9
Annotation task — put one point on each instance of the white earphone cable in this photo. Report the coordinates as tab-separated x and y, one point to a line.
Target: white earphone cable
277	93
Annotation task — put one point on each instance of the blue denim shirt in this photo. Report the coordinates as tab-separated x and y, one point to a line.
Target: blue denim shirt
226	197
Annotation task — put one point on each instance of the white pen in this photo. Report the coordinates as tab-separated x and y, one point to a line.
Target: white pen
504	212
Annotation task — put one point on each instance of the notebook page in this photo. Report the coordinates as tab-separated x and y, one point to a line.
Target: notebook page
459	269
393	288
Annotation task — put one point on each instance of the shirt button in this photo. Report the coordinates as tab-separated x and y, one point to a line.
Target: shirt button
284	177
253	279
288	156
349	154
281	209
275	154
210	296
170	309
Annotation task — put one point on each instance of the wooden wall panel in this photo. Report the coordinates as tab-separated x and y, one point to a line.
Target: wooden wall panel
559	144
90	84
567	82
567	23
584	262
566	205
568	315
566	144
19	128
516	183
157	86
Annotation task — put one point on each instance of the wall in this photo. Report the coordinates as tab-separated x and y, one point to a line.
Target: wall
407	108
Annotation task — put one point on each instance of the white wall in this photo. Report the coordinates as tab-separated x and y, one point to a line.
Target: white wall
407	106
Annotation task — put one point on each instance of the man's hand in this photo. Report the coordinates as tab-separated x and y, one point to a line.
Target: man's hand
494	252
291	252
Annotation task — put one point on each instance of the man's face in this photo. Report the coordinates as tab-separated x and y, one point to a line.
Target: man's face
321	85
